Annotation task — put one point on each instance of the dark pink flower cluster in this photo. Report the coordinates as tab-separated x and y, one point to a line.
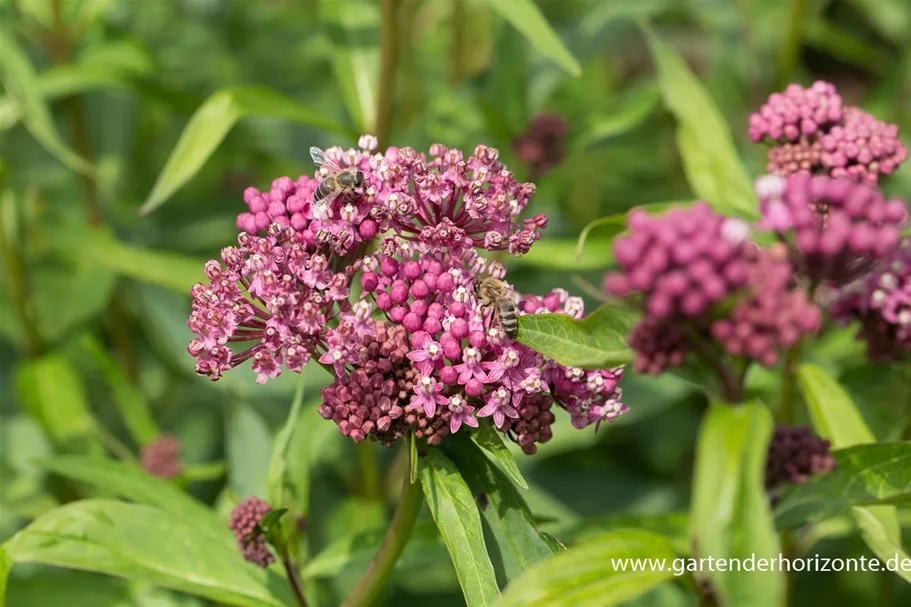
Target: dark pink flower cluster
541	147
467	367
161	457
416	350
796	454
881	301
244	522
774	313
271	297
811	132
702	279
837	227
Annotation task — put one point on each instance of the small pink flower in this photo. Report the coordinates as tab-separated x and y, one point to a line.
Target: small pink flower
428	354
498	405
461	413
427	395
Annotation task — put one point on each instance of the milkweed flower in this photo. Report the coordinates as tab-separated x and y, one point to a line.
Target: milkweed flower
795	454
811	132
413	350
542	147
161	457
244	523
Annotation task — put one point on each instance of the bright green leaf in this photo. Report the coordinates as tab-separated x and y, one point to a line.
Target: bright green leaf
612	226
213	121
21	84
456	515
248	448
629	113
50	587
129	399
864	474
597	341
561	254
277	462
355	60
66	297
492	441
593	573
516	543
730	508
836	418
51	391
528	20
145	544
713	167
130	482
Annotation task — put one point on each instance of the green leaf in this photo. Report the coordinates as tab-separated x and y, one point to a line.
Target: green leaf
836	418
515	544
353	31
613	225
629	113
51	391
413	464
595	573
248	449
713	167
278	462
674	526
492	441
130	482
730	509
126	540
21	84
597	341
313	441
864	474
562	254
453	509
66	297
129	400
213	121
357	550
50	587
528	20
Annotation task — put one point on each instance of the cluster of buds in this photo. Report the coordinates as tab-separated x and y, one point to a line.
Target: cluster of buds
796	454
836	228
244	522
161	457
811	132
702	281
881	301
541	147
414	350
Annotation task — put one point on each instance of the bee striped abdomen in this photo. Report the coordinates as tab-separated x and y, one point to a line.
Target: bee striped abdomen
509	319
325	188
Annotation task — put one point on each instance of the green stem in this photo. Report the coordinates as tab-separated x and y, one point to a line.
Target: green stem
294	579
377	573
389	51
787	61
370	471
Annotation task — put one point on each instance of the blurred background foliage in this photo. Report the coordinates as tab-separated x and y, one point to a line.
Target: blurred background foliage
95	299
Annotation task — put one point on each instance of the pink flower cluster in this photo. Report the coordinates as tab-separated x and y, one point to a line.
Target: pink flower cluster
244	522
881	301
685	265
415	350
542	147
836	227
811	132
795	454
161	457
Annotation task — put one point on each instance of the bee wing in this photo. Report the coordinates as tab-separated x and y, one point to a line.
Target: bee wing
321	160
321	205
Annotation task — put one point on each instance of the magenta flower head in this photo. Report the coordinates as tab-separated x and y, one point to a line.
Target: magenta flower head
810	132
796	454
541	147
837	228
161	457
881	301
244	522
702	281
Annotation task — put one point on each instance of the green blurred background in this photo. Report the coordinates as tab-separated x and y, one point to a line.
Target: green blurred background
95	298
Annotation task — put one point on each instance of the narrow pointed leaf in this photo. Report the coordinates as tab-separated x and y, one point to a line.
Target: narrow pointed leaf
594	573
454	510
597	341
275	483
628	114
528	20
730	510
491	441
713	167
21	84
212	122
144	544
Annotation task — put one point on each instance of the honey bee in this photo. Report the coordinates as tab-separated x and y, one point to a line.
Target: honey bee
338	181
493	293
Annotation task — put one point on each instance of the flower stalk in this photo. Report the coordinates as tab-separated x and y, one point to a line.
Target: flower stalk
380	568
